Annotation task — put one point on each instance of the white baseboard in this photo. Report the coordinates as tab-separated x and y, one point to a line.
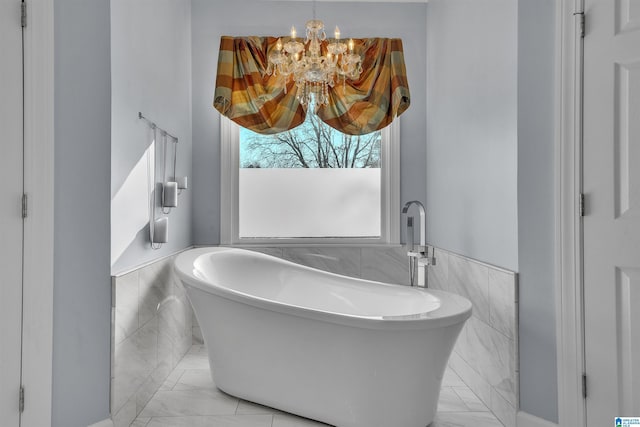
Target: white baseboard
103	423
524	419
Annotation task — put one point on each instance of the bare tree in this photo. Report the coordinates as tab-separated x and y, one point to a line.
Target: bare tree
311	145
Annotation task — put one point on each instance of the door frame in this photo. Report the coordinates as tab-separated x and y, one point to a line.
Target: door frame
569	237
37	347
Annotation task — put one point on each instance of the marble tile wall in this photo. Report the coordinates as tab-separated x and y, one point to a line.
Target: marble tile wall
486	354
151	332
384	264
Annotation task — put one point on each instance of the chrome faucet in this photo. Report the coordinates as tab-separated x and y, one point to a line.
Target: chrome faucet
421	252
423	219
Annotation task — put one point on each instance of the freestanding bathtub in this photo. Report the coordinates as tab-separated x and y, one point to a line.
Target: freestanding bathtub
344	351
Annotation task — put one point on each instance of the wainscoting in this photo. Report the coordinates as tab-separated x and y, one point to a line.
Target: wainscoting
486	354
372	263
151	332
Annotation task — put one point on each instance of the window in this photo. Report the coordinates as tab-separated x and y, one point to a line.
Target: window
311	185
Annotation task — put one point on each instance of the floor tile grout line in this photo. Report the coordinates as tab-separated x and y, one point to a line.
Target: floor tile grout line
184	371
145	405
465	402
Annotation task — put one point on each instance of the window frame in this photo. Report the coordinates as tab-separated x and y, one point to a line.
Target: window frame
229	185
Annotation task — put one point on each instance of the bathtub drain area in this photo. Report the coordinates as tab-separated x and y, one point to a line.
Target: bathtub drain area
189	398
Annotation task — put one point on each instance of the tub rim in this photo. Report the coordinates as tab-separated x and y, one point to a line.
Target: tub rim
454	309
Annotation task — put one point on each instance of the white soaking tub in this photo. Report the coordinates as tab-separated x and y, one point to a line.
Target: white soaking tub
344	351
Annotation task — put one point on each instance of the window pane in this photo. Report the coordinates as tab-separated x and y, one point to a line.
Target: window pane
312	181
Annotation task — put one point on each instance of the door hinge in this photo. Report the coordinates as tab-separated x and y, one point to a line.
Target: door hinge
23	14
582	23
581	204
584	386
21	400
25	206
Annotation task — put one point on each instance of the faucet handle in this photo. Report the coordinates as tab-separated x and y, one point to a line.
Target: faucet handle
418	252
426	261
432	258
422	254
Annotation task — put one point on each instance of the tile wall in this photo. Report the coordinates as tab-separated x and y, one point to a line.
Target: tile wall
372	263
486	354
151	332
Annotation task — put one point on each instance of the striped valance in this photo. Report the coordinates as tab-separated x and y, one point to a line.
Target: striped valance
246	94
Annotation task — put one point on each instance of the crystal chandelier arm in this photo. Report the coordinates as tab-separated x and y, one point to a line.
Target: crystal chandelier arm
313	72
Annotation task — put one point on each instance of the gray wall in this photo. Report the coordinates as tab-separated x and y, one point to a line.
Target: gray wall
536	115
211	19
472	132
151	73
490	159
82	291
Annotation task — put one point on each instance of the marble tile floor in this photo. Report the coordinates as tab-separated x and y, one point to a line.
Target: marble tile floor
188	398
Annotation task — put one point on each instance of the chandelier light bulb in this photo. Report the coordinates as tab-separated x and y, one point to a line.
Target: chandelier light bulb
315	64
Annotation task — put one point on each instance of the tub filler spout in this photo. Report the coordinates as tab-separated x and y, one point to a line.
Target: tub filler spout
418	255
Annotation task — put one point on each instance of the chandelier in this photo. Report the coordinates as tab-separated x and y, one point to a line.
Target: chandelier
313	70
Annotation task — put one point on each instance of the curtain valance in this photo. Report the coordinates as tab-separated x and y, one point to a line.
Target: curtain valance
246	94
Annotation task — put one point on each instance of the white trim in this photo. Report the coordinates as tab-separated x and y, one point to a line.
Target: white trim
391	183
524	419
569	317
103	423
38	227
390	214
229	161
